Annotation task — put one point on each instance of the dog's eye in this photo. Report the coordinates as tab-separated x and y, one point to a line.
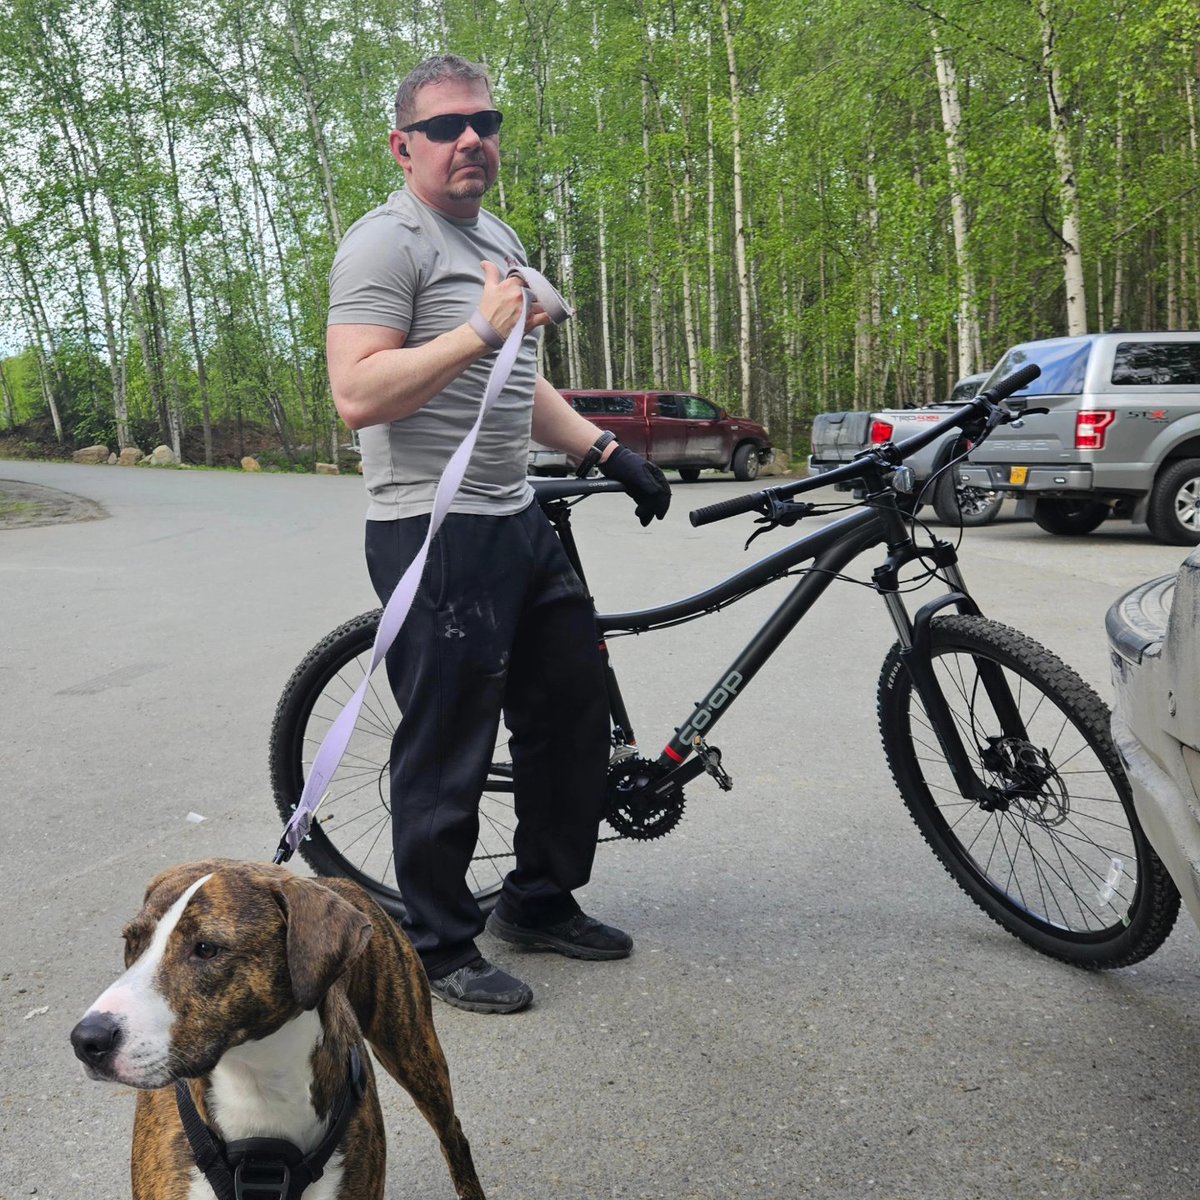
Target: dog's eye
205	950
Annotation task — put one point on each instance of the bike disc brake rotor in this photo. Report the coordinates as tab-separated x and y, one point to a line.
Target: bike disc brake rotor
1031	783
635	809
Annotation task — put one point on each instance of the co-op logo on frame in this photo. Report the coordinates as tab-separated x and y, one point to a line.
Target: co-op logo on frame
718	698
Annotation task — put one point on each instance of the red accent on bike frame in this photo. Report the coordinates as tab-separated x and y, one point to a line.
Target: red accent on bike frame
672	754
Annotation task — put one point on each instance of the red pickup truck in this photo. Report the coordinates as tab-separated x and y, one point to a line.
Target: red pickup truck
672	429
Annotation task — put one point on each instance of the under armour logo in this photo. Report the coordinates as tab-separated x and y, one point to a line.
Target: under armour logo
453	631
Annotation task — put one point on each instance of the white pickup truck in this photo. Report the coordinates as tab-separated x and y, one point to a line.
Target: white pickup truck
1121	438
837	437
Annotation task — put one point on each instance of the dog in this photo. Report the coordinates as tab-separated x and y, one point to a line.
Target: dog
247	996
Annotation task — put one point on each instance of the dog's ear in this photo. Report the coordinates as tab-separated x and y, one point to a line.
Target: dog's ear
324	935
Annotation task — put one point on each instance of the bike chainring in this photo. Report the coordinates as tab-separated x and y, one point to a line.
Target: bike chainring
635	809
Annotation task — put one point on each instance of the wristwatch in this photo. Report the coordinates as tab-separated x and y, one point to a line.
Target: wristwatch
592	457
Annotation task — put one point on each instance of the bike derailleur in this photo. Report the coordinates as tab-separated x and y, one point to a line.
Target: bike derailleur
639	805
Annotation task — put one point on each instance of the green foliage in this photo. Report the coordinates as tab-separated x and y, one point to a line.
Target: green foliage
167	228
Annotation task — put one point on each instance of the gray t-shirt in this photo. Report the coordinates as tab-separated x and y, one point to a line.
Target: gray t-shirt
406	266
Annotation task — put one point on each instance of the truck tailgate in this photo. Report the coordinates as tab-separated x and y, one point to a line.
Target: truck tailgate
1042	438
839	436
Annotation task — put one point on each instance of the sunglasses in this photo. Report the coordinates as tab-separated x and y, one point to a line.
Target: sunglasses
449	128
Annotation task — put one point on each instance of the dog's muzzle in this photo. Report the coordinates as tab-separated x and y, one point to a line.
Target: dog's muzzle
96	1040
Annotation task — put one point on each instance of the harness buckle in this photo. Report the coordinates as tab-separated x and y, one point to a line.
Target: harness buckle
261	1179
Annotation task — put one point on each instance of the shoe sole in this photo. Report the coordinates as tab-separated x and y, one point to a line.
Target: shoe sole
484	1006
531	939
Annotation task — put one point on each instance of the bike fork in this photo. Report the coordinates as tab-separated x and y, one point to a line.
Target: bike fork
916	653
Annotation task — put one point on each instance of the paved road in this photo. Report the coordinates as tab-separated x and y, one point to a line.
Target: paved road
813	1009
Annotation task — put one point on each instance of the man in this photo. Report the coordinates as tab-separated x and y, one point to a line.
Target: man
417	303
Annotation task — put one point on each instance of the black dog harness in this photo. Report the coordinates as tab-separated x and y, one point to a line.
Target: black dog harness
267	1168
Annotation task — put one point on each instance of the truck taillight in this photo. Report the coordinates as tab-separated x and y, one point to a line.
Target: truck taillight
1090	428
881	431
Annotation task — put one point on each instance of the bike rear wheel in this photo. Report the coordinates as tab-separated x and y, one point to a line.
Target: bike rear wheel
351	836
1066	866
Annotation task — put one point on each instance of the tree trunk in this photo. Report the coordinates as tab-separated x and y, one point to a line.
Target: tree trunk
657	365
10	406
710	234
318	133
1060	136
682	221
968	325
739	219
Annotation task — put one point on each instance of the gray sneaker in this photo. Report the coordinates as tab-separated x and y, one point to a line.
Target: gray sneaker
481	986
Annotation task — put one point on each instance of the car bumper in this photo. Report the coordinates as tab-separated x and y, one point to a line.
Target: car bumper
543	461
1155	658
999	477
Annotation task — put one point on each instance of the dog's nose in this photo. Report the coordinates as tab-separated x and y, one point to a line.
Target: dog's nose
96	1037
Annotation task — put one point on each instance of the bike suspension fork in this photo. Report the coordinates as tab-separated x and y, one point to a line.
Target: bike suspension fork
916	652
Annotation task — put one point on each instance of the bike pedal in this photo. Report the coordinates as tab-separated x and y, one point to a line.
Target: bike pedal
710	756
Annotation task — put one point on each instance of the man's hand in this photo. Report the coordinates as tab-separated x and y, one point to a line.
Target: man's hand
502	300
642	480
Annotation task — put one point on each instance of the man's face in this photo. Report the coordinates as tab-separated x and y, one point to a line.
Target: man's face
450	176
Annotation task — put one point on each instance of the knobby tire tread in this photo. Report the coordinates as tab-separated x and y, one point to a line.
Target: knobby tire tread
1156	903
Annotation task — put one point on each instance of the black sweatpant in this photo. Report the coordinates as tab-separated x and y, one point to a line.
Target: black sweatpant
500	622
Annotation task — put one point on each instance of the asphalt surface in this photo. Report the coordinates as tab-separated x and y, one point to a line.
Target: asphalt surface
813	1009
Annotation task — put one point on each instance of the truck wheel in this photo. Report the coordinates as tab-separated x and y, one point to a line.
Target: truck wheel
689	474
1174	511
958	504
1072	518
745	462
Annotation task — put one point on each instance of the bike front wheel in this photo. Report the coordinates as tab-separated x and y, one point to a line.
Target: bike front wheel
1063	863
351	836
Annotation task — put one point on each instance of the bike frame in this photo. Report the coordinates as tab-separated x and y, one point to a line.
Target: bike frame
880	522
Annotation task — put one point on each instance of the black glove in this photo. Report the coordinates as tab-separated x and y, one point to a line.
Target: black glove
642	480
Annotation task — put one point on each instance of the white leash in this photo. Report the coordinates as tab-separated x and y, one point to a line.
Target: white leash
333	745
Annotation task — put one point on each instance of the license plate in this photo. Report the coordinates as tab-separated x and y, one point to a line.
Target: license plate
1018	475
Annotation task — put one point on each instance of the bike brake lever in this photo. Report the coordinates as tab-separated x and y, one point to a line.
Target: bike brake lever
767	525
780	512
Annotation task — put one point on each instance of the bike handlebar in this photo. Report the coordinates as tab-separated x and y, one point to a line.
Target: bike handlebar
983	405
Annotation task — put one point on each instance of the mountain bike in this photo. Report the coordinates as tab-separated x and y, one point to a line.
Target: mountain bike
1000	751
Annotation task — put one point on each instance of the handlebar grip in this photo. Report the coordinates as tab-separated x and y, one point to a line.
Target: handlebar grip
1013	383
751	502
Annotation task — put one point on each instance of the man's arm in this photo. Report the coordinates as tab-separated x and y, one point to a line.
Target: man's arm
376	378
557	425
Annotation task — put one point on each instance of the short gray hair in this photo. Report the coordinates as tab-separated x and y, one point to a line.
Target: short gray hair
434	70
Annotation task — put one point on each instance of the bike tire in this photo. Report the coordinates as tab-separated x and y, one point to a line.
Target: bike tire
351	836
1067	870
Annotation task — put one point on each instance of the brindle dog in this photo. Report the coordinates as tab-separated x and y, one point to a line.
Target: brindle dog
253	984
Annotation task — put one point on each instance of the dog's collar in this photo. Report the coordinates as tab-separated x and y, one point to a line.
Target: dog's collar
267	1168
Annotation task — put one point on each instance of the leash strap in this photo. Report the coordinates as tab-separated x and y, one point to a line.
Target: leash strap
538	289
